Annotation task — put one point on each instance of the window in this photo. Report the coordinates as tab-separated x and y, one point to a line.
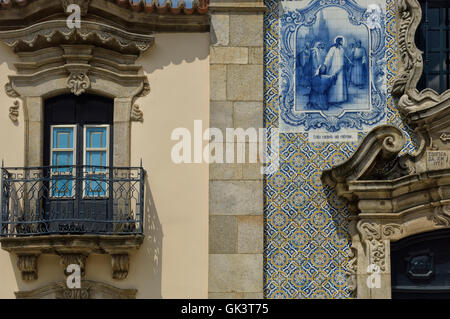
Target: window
433	38
95	153
78	148
62	155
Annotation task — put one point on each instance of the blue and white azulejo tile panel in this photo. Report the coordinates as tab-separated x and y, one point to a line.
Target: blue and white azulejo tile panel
306	239
332	68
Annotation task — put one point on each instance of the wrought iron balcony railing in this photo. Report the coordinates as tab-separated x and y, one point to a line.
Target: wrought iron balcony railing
71	200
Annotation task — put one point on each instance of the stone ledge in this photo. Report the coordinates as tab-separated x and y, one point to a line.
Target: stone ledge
72	249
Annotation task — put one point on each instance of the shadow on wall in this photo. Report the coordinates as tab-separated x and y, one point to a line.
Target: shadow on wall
174	49
152	246
145	265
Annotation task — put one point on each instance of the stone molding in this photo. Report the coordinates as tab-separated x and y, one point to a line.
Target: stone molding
55	32
73	249
134	16
411	198
89	290
411	101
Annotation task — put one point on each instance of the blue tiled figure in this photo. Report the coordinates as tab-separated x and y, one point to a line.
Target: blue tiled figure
320	85
336	62
359	74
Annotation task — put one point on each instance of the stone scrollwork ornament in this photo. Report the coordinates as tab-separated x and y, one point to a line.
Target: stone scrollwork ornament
14	112
78	82
10	91
136	114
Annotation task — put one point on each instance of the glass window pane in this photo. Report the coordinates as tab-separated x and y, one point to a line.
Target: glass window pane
433	17
63	137
96	137
434	40
433	82
95	185
62	159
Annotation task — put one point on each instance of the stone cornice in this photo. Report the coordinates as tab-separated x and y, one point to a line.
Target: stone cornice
385	141
55	32
134	18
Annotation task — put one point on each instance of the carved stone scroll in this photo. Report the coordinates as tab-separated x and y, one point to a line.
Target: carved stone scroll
14	112
120	265
27	264
74	258
78	82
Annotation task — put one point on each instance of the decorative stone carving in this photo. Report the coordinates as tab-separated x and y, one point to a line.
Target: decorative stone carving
78	82
14	112
410	64
10	91
55	32
73	249
27	264
74	258
352	268
120	264
136	114
84	5
89	290
441	215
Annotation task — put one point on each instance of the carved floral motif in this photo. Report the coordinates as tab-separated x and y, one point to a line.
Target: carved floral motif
78	82
372	236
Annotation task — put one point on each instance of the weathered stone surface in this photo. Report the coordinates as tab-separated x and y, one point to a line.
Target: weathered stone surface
223	234
236	197
228	55
246	29
236	273
250	234
221	115
244	82
90	290
218	82
248	114
220	29
225	171
252	171
256	55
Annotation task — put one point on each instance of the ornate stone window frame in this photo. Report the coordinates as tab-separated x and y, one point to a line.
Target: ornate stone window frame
97	58
392	195
410	65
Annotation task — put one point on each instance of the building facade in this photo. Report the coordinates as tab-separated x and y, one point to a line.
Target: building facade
116	161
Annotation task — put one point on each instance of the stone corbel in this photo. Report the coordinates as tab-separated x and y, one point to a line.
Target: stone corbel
120	263
74	258
28	266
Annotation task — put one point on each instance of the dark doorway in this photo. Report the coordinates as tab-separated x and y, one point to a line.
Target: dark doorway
420	266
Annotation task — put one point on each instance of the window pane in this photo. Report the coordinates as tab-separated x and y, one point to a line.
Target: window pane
434	38
433	17
96	137
62	159
433	82
63	137
95	185
61	187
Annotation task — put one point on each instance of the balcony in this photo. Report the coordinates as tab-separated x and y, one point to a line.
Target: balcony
71	211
